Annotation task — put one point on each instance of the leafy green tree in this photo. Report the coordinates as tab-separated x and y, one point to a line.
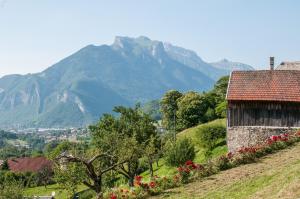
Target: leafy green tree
221	109
152	108
124	137
220	89
152	150
192	108
169	108
219	93
69	175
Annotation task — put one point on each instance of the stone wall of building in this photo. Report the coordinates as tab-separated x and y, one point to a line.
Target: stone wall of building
245	136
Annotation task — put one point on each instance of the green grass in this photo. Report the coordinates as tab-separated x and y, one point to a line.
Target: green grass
274	176
191	133
42	191
269	184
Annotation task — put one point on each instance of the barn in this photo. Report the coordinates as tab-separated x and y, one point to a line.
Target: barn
260	104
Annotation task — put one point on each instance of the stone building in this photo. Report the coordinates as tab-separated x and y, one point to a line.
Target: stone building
260	104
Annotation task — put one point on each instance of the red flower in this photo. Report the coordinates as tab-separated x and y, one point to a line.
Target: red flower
189	163
113	196
230	155
152	184
180	169
138	178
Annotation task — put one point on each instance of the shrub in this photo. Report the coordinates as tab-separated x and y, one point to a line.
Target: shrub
178	153
210	135
224	162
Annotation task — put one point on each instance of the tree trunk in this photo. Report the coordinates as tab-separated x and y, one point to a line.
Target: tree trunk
131	181
151	169
99	195
98	187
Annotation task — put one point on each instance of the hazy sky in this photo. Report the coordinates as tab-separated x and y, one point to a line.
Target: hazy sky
35	34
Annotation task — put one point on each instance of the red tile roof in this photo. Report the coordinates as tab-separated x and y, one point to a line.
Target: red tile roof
265	85
29	164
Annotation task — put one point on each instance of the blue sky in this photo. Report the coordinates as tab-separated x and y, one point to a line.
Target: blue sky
35	34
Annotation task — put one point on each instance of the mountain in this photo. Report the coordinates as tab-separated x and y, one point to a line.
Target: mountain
77	90
191	59
229	66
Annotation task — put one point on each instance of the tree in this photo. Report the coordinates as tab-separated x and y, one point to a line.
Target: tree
192	108
220	89
69	175
94	172
44	176
152	108
168	109
124	138
221	109
151	152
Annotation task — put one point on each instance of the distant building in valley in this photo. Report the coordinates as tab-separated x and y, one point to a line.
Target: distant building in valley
262	103
29	164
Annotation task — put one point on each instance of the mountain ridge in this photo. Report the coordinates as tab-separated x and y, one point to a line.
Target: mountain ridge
78	89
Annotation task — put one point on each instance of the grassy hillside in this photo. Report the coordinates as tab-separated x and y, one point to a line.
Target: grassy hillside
274	176
163	170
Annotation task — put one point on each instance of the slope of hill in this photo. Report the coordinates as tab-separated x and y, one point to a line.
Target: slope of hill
274	176
80	88
191	133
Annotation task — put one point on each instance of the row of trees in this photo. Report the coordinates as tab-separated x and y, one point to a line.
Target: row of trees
181	111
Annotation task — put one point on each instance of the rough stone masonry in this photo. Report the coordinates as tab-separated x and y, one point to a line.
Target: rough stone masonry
246	136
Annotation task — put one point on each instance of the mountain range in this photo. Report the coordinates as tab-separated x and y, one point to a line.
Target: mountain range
77	90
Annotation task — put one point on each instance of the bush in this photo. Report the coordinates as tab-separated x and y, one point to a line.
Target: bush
224	162
210	135
180	152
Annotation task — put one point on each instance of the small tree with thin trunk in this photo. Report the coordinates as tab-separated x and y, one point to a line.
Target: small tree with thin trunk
94	174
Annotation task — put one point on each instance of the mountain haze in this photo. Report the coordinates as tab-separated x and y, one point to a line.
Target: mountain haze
229	66
77	90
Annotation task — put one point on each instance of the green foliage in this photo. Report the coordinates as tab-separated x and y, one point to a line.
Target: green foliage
221	109
69	177
169	108
11	189
220	89
152	108
124	138
210	135
178	153
192	108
